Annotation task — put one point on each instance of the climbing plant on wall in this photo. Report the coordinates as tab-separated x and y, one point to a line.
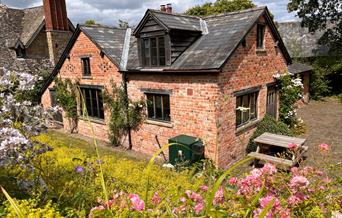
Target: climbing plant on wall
125	114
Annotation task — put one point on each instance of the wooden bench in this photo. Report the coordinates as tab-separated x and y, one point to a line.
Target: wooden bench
268	139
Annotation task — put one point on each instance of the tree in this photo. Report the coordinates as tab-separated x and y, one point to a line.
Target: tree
123	24
322	15
90	22
220	6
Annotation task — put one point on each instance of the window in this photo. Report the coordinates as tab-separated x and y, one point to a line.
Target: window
86	66
260	36
158	107
246	108
93	100
20	52
153	51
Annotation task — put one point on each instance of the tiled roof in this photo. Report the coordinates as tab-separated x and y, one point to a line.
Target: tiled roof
299	42
109	40
296	67
32	20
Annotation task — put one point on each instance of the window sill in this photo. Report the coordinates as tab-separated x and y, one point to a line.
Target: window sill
159	123
247	126
93	120
87	77
260	50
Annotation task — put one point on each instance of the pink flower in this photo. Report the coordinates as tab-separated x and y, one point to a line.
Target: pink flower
196	197
204	188
137	203
182	199
324	147
299	182
296	198
292	146
219	196
295	170
233	181
188	193
199	207
156	199
266	200
256	173
269	169
327	180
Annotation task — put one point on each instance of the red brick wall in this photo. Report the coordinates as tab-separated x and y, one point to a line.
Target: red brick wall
102	71
247	68
192	104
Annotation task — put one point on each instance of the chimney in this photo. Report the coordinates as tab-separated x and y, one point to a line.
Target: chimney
162	8
169	8
56	17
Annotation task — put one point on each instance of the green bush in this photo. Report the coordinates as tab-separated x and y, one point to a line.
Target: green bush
268	124
319	84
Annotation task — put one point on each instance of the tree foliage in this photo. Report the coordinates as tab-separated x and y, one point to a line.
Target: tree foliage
90	22
220	6
123	24
323	15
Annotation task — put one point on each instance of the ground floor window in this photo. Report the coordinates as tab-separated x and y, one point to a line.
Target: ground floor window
158	107
246	108
93	101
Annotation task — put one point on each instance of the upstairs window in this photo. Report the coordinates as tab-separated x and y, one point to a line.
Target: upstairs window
260	36
86	66
93	101
153	51
158	107
246	108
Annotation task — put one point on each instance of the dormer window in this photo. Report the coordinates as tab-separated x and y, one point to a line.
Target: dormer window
20	52
260	36
153	51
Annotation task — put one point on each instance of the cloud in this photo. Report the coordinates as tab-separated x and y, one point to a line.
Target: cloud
110	11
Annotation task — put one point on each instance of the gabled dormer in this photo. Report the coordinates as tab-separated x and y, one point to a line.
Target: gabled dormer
20	49
163	36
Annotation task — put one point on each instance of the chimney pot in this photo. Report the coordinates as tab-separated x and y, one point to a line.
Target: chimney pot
162	8
169	8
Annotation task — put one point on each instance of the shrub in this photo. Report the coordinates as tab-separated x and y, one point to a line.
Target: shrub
319	84
32	209
268	124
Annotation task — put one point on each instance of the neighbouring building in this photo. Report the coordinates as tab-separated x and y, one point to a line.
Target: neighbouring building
32	39
210	77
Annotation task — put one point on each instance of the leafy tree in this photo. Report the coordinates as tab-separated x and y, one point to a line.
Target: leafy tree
123	24
323	15
90	22
220	6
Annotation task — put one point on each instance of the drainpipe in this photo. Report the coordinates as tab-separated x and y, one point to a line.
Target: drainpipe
125	80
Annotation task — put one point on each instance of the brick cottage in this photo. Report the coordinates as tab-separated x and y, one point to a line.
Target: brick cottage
209	77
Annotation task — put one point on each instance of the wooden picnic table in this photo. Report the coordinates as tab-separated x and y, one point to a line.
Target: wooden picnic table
269	139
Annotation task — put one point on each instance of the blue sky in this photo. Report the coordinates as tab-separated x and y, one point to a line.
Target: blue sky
110	11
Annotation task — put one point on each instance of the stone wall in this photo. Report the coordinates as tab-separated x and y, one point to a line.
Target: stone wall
38	48
57	41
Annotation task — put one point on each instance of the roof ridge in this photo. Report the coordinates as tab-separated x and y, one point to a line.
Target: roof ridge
101	26
236	12
34	7
175	14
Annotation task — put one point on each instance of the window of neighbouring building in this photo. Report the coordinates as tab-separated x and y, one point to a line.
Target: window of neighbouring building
20	52
158	107
93	101
246	108
153	51
260	36
86	66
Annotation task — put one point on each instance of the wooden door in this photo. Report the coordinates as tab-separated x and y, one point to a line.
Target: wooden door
58	116
271	107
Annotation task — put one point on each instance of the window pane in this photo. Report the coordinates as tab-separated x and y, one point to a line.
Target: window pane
99	94
166	105
260	35
86	66
158	102
161	48
253	106
150	109
146	45
154	57
238	118
94	103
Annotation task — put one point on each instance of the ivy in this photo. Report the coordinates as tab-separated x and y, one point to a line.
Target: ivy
125	114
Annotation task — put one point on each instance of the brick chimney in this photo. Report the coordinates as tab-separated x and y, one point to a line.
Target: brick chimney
57	28
56	17
169	8
162	8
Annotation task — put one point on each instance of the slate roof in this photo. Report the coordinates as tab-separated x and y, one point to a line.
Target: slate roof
296	68
211	50
301	43
109	40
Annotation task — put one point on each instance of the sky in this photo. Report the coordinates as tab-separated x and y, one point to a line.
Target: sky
108	12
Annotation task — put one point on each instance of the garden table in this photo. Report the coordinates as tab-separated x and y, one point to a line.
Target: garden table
267	140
